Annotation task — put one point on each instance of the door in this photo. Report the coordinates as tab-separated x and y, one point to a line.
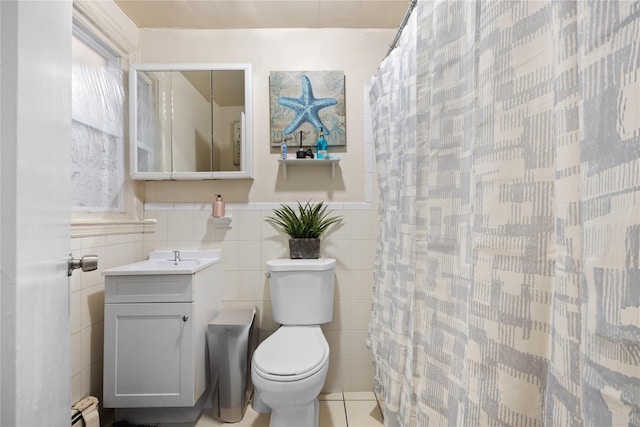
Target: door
35	131
148	355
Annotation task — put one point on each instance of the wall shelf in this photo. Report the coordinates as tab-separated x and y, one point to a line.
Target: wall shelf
333	161
221	222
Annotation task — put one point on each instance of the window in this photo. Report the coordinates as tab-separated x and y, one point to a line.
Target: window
97	169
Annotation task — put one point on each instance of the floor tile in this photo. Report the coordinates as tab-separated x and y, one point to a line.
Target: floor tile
332	414
207	420
252	419
331	396
363	413
359	395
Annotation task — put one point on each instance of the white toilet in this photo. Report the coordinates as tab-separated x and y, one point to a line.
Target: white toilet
290	367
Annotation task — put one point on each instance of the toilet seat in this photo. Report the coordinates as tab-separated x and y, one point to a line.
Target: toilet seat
291	353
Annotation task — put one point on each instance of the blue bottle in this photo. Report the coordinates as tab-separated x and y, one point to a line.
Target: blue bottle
283	148
322	147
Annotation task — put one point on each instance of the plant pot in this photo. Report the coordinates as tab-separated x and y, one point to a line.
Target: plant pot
304	248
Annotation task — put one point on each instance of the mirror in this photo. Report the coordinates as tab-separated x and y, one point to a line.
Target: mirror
190	121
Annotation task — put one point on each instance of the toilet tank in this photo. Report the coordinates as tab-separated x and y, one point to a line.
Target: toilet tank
302	290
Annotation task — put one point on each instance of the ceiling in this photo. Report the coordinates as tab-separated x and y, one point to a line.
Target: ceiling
230	14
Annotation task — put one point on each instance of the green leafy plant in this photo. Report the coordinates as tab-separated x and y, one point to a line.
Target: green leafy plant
309	221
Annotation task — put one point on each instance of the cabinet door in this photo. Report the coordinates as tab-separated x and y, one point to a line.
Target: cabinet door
148	355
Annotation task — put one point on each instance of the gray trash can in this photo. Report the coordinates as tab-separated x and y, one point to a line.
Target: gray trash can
231	336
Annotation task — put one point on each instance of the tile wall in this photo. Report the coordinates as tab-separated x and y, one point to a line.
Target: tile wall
245	246
87	307
250	242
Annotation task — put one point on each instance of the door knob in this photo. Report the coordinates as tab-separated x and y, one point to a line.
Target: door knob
86	263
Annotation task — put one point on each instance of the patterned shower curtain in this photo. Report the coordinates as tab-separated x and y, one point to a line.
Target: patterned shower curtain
507	282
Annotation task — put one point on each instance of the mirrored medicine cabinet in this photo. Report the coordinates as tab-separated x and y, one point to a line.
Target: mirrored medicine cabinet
190	121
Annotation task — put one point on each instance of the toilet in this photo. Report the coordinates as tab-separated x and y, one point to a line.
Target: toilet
289	368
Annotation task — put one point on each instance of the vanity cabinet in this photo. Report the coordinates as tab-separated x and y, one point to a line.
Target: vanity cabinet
155	337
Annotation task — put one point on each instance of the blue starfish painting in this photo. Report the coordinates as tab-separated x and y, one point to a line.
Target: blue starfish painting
306	108
302	102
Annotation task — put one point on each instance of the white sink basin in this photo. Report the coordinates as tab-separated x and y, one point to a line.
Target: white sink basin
162	262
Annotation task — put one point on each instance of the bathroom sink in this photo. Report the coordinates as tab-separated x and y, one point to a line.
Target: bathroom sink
164	262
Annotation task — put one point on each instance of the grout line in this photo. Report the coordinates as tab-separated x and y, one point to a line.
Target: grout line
379	406
344	405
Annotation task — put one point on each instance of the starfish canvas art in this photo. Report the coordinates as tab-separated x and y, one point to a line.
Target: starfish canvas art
303	102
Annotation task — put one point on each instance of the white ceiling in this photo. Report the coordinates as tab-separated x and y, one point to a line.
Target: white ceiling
229	14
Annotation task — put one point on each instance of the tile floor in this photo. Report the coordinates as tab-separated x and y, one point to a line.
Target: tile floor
349	409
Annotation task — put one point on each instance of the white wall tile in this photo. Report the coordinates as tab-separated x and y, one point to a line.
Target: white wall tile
362	284
270	249
249	255
250	285
203	226
361	313
76	388
76	354
230	286
230	254
228	234
362	225
92	305
358	344
363	253
338	249
180	226
85	343
76	244
343	286
93	242
338	377
361	374
249	224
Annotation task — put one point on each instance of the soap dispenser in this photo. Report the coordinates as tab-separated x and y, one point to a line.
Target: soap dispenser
218	207
322	146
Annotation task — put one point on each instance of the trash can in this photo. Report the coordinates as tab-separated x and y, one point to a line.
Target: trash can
231	336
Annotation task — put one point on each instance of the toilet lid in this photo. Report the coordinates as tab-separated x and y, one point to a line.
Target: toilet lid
291	351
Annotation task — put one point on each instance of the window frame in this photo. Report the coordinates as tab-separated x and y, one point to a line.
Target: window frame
130	217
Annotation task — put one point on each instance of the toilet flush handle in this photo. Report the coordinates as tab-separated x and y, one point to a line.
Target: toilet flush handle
267	275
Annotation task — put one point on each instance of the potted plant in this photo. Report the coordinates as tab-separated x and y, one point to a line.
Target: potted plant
304	226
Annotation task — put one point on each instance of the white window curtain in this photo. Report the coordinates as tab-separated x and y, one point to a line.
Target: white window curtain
507	282
98	125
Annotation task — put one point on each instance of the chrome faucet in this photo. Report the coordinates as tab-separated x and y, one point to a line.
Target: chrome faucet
176	256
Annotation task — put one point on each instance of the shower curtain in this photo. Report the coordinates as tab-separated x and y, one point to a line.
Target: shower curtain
507	278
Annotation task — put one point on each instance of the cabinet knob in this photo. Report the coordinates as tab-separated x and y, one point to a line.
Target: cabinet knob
185	318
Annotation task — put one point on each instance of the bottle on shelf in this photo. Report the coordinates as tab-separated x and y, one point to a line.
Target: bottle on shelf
218	207
322	146
283	149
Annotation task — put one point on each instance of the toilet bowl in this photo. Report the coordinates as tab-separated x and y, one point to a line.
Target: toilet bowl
288	372
290	367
